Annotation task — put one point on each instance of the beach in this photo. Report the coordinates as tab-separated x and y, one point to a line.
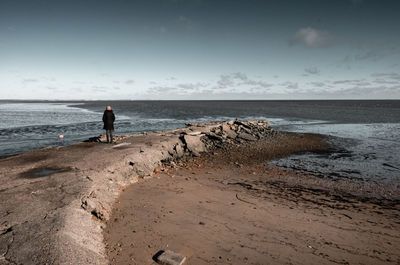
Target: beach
64	205
232	208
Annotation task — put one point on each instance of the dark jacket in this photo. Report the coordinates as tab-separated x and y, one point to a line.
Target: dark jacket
108	119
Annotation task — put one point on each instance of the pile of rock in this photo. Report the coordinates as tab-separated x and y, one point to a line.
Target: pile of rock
201	137
238	132
206	137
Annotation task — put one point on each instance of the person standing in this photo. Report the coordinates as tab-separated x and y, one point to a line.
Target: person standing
108	119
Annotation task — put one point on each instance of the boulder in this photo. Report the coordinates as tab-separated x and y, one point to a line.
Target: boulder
247	137
194	144
226	129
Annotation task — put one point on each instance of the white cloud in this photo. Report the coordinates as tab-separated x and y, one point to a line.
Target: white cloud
240	79
192	86
312	38
292	85
395	76
30	80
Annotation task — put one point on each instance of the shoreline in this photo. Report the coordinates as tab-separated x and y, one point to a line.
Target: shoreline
57	200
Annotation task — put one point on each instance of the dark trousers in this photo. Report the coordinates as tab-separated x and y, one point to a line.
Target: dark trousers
109	136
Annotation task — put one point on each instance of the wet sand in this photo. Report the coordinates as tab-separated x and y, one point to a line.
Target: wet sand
232	207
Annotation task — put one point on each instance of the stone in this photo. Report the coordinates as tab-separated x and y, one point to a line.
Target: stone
214	136
194	144
94	207
228	131
179	150
169	257
247	137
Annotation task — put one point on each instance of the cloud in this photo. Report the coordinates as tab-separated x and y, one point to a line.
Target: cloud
160	89
225	81
101	89
292	85
369	55
52	88
362	91
192	86
395	76
240	79
312	38
30	80
312	70
182	88
346	81
318	84
385	82
129	82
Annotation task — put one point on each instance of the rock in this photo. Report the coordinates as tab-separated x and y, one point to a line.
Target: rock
179	150
94	207
247	137
169	257
228	131
214	136
194	144
194	133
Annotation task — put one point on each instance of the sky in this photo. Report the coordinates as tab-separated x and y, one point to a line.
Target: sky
199	49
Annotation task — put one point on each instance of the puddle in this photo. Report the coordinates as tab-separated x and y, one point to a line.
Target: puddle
42	172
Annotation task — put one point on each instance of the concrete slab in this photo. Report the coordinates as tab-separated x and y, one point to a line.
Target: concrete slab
169	257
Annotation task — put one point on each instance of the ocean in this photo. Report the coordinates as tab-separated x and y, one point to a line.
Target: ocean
366	132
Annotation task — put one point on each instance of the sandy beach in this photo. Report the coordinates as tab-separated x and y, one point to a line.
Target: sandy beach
205	191
231	207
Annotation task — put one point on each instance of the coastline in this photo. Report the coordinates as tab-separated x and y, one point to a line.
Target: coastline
57	201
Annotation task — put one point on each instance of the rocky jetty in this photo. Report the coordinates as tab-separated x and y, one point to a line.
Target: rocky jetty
55	200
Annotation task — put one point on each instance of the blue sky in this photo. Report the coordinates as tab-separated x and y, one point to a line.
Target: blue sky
200	49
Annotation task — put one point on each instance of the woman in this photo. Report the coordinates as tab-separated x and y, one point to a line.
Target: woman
108	119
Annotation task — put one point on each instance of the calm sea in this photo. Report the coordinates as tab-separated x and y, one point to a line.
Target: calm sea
367	130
